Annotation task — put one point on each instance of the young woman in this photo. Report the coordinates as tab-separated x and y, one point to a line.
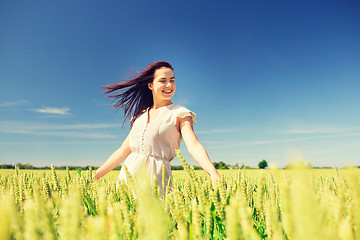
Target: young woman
157	126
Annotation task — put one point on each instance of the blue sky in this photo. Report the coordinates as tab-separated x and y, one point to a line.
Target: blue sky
268	79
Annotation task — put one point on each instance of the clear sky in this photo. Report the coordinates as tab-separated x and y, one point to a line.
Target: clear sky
267	79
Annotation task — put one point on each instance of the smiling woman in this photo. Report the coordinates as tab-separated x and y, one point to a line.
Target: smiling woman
135	94
157	127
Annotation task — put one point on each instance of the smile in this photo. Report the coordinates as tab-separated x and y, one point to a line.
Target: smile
168	91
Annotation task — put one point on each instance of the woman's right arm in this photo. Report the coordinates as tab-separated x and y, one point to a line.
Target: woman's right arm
115	159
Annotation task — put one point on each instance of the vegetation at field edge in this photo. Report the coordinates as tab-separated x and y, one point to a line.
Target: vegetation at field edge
246	204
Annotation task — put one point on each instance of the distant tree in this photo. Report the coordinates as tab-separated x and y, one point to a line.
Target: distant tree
24	166
237	166
173	167
263	164
220	165
7	166
28	166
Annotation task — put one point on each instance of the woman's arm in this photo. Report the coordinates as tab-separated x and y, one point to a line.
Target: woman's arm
115	159
196	150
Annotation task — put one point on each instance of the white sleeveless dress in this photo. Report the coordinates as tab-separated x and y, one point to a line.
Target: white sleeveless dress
153	144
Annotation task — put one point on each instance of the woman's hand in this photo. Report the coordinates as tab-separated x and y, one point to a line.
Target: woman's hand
215	179
93	177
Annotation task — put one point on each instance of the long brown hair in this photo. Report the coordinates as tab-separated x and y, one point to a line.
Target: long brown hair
135	96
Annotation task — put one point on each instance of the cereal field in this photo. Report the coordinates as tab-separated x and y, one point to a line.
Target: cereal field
246	204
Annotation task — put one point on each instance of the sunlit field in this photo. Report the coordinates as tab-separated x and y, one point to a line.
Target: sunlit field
246	204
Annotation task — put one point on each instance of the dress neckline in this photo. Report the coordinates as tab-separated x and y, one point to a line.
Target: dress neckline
157	117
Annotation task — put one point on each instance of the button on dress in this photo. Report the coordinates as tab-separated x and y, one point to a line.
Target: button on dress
153	144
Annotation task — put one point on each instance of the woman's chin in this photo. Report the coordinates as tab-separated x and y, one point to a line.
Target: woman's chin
168	96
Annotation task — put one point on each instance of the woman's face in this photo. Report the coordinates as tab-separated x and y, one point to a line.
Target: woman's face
163	86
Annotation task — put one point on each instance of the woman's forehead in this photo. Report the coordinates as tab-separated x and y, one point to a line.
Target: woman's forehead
163	72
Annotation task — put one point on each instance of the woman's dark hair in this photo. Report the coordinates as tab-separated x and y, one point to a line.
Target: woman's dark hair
135	96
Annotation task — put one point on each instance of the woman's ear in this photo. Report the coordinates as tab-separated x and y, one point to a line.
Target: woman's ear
150	86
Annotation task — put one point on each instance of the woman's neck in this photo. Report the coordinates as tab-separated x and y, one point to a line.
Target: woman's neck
159	104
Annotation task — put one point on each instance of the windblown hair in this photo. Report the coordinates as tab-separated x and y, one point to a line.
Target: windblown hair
135	96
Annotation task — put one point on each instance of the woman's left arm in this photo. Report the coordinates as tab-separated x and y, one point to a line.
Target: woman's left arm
196	149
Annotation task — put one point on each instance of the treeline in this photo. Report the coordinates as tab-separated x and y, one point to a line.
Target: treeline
218	165
31	167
